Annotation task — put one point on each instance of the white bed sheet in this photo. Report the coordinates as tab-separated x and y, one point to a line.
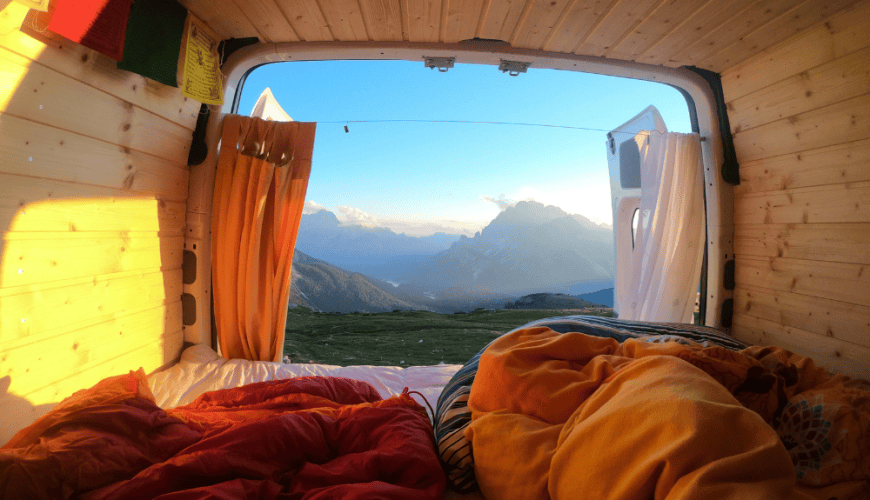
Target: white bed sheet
201	370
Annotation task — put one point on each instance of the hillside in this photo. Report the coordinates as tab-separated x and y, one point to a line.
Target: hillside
550	301
323	287
603	297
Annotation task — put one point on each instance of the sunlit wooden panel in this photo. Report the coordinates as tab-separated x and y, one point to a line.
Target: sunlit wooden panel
843	163
37	150
345	20
268	20
499	19
579	21
224	17
832	354
43	95
36	365
32	313
821	204
307	20
31	204
831	318
96	70
755	16
622	20
820	242
666	17
52	257
821	86
538	23
790	23
460	19
383	19
845	121
689	30
841	35
844	282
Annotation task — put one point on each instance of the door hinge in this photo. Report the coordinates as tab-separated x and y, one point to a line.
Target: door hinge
513	68
441	63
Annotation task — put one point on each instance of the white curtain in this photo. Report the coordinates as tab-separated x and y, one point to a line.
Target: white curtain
660	281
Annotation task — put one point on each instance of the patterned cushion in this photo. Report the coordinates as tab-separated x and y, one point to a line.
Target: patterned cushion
453	416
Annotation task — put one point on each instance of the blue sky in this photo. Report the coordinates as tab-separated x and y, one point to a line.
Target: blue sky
419	178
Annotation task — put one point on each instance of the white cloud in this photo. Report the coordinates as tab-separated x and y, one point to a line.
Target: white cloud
355	216
312	207
502	203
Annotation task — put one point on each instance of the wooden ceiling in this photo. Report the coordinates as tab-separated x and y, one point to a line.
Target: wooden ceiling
712	34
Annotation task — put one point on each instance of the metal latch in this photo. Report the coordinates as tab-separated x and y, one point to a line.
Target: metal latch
513	68
612	143
442	63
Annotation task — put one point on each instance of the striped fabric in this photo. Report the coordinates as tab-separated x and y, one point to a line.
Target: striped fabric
453	416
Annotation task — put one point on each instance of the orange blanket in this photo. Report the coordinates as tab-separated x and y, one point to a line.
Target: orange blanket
569	415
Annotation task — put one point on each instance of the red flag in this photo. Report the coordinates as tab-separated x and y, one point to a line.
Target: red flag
100	25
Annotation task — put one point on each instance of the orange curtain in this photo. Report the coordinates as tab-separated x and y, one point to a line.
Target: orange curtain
260	185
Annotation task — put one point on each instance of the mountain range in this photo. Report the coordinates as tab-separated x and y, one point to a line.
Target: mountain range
527	248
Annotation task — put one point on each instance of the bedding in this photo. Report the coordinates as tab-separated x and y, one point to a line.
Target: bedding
308	437
557	415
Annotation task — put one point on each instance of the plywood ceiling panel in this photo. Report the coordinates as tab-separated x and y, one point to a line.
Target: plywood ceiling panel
713	34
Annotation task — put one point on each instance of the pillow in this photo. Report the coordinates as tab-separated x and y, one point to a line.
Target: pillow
453	416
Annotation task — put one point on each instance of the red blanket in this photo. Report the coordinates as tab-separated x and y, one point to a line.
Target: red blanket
288	439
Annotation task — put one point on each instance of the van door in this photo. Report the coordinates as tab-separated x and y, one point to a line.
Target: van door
626	146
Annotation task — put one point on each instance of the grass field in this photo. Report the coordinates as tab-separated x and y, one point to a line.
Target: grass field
404	338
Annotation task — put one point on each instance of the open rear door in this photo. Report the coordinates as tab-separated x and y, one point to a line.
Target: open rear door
626	145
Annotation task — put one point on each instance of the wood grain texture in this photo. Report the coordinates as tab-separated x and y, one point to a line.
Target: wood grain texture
622	20
829	318
835	203
832	354
666	18
500	18
345	21
842	122
842	34
843	163
383	19
459	19
577	24
224	18
539	22
267	19
848	243
829	83
307	20
41	151
796	20
844	282
33	313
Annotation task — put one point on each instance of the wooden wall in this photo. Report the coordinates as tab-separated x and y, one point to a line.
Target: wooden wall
800	115
93	183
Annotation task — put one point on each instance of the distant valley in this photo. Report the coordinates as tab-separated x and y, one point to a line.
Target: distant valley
528	248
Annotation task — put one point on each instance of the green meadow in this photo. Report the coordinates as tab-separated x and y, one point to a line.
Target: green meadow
401	338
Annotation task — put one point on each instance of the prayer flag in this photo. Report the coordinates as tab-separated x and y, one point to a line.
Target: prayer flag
153	41
97	24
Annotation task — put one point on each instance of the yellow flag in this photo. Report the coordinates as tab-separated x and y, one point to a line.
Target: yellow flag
201	78
41	5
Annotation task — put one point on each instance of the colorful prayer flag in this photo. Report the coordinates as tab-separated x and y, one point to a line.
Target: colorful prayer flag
201	78
100	25
153	41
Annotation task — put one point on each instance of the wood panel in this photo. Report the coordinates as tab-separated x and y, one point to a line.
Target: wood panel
657	25
36	150
827	84
383	19
539	21
833	203
622	19
96	70
836	37
34	204
499	18
43	260
43	95
843	282
267	19
581	19
702	21
843	163
830	318
847	243
345	21
307	20
845	121
807	14
33	313
78	350
225	18
830	353
459	19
